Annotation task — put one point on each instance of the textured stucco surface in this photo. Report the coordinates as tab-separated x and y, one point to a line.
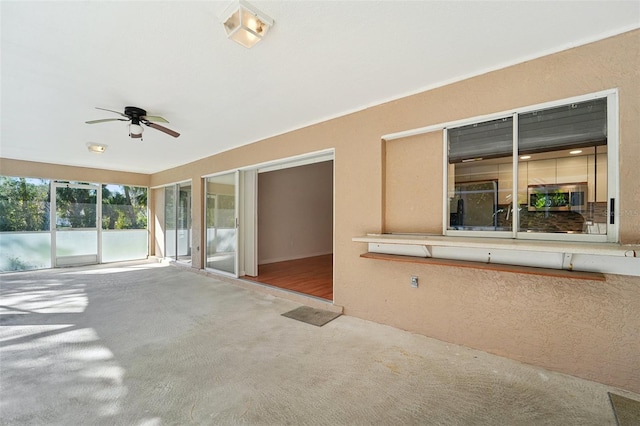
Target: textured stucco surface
151	344
586	328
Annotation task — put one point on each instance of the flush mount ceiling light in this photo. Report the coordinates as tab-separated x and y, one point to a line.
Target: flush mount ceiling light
575	151
96	148
245	24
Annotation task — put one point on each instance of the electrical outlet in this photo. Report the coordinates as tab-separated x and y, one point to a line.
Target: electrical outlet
414	281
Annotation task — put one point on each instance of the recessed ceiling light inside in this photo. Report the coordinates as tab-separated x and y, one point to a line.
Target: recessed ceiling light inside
525	157
96	148
575	151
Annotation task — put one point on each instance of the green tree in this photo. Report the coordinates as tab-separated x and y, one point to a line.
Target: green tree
124	207
24	204
76	207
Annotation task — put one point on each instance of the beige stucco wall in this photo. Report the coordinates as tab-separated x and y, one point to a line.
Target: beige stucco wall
584	328
9	167
412	162
157	218
588	329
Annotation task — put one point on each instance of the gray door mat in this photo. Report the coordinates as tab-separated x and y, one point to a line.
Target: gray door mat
311	315
627	410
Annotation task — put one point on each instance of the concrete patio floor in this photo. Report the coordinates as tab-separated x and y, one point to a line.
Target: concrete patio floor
149	344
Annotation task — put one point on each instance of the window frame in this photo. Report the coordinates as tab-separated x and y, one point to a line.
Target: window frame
613	187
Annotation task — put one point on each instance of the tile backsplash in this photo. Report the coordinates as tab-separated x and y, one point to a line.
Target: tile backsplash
562	221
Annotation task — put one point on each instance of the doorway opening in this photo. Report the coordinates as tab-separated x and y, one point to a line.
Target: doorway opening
295	228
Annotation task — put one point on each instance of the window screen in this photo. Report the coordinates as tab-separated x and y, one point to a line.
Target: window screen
569	126
490	139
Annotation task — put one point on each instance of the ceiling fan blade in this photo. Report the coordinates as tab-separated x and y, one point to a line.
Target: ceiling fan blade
110	110
162	129
104	120
155	118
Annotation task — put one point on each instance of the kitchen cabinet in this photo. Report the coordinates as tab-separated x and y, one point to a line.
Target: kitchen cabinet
571	169
542	172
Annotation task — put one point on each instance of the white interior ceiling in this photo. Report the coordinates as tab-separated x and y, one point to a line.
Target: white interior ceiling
322	59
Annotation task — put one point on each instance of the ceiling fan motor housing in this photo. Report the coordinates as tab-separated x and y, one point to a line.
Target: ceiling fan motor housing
134	113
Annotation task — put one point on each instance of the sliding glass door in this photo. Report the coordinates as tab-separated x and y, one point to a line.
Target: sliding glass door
170	221
75	224
221	216
177	215
183	228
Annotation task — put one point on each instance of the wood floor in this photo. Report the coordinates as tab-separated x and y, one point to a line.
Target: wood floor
312	275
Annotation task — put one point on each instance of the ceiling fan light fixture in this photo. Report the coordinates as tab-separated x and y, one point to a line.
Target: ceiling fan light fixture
245	24
96	148
135	130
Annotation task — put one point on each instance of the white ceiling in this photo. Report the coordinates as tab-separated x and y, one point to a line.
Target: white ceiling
322	59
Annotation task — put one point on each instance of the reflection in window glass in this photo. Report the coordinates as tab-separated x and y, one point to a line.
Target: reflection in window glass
221	222
480	169
562	172
562	154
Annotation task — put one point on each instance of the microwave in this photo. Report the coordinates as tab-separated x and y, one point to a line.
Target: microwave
558	197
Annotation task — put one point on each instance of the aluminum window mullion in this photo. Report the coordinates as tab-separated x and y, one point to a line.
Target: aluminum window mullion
52	217
613	165
176	203
515	214
446	214
99	222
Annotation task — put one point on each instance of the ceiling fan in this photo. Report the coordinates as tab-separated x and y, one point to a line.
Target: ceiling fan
137	117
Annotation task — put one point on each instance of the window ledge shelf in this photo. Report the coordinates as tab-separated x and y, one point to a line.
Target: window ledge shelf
605	249
558	273
573	256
